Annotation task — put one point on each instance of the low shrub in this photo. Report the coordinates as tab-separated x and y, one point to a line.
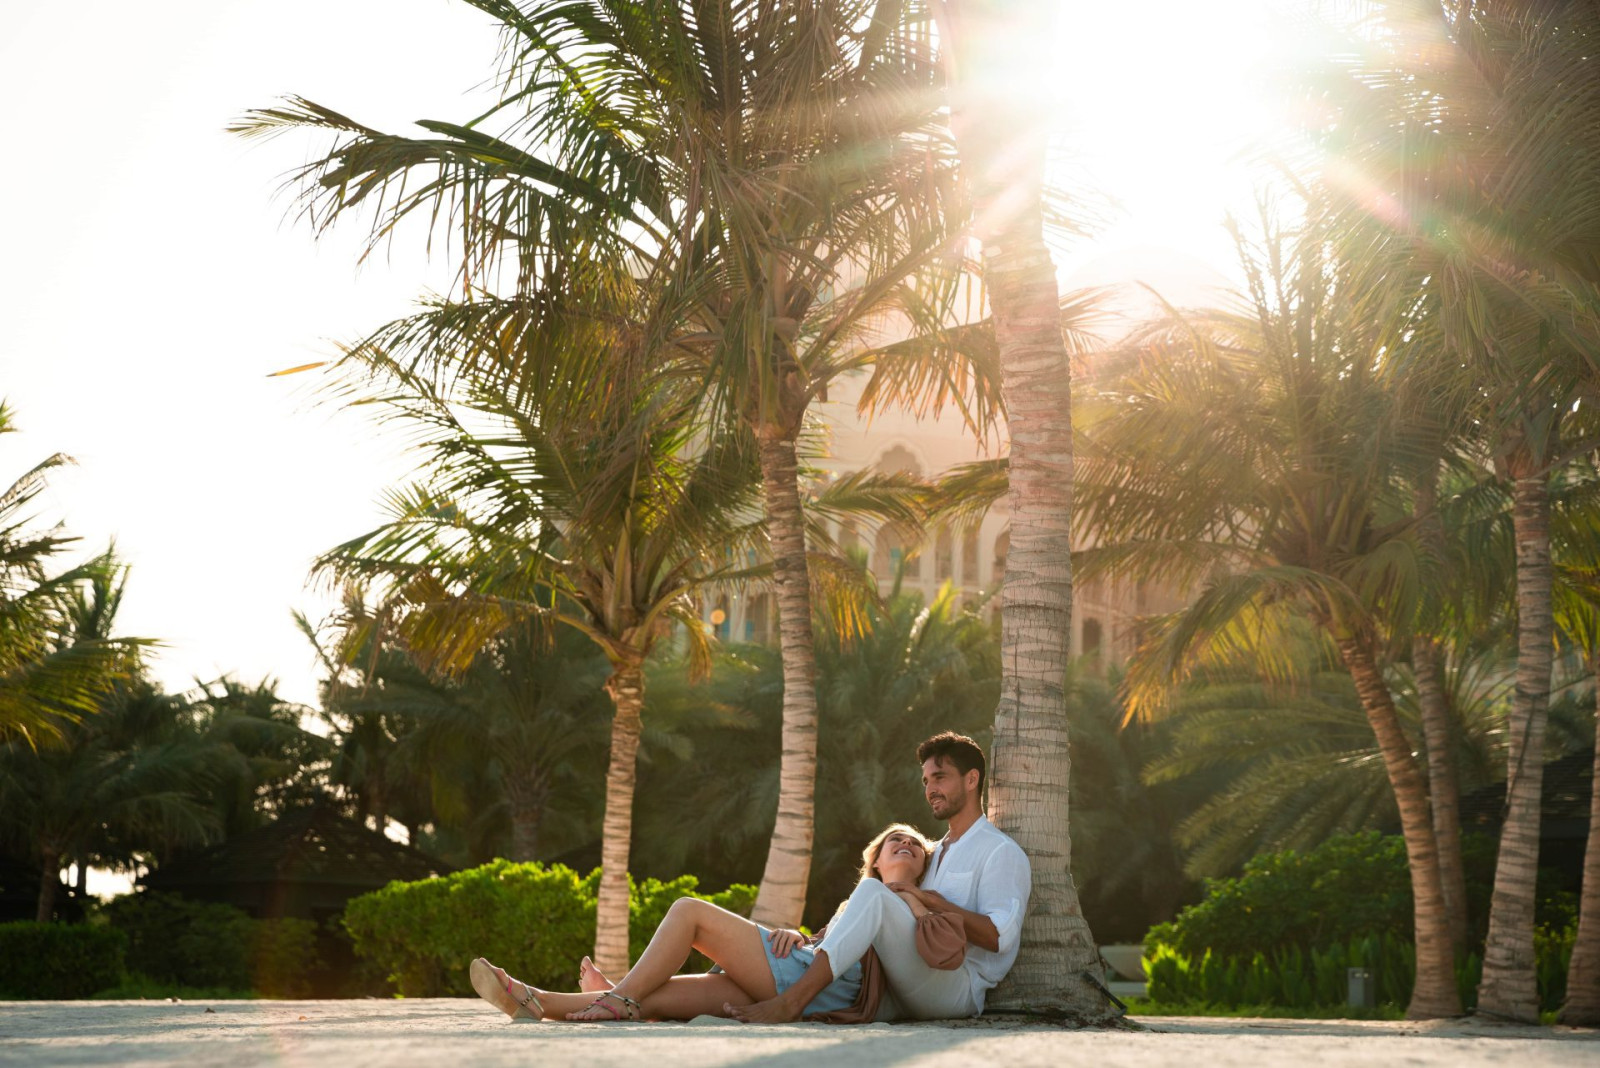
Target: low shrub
175	941
1318	980
534	921
1350	886
57	961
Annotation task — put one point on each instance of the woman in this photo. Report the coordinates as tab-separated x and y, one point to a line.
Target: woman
757	963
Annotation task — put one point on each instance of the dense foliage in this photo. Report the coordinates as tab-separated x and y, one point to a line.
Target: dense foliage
53	961
176	941
1284	931
1319	978
533	920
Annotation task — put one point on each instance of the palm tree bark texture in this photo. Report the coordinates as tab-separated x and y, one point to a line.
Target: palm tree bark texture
527	793
1001	141
1434	994
626	687
49	882
1510	987
1438	731
783	883
1582	1007
1443	790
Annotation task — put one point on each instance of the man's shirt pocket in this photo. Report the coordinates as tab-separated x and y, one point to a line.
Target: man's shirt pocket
957	887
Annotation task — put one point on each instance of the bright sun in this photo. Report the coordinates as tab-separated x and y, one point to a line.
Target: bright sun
1163	106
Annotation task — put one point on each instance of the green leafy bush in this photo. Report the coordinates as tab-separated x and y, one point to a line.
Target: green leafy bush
173	940
1319	980
57	961
1350	886
535	922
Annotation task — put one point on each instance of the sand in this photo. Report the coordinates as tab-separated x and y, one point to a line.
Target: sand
452	1032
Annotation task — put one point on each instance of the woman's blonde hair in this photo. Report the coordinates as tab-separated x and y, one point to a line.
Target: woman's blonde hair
869	855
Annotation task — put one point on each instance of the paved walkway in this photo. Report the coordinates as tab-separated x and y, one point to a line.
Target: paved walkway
464	1034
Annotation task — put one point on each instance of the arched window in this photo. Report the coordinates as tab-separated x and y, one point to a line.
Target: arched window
944	564
897	460
849	537
891	551
1091	638
969	557
1002	545
758	619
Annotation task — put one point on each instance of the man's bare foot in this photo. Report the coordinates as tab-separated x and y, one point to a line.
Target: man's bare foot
591	980
772	1011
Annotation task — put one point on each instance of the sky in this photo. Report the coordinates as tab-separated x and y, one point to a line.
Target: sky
153	276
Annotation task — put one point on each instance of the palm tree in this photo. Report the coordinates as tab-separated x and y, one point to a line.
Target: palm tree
1257	452
1577	616
50	673
1470	127
878	688
1278	767
1001	138
265	762
125	777
578	504
496	750
777	170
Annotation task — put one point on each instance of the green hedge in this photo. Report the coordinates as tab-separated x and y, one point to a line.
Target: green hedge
534	921
1283	932
1348	887
1291	979
58	961
174	940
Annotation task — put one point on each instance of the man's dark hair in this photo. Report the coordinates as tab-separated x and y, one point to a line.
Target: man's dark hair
960	750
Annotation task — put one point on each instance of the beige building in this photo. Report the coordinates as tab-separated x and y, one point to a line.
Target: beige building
971	559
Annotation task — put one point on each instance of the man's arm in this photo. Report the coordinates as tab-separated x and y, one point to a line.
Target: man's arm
980	929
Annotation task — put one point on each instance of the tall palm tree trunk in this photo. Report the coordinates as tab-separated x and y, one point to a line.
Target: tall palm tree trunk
1434	993
1444	791
1002	148
1582	1007
49	883
626	687
1031	762
526	794
1510	988
782	897
1438	728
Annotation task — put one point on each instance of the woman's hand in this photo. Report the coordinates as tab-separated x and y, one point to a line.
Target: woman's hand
929	899
783	942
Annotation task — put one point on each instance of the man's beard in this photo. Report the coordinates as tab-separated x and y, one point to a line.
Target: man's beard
951	805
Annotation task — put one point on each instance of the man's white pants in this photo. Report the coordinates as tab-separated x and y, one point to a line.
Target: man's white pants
876	917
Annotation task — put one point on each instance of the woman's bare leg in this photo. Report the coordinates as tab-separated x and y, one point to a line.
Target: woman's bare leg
683	997
726	937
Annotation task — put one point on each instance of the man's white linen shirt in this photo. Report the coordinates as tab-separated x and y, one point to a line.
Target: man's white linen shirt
985	871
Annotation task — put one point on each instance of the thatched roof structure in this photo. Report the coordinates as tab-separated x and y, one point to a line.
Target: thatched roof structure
307	863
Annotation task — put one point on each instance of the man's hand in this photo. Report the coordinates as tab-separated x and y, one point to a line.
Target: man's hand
774	1010
783	942
980	929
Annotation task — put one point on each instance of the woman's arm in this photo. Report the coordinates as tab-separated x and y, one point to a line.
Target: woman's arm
918	909
980	929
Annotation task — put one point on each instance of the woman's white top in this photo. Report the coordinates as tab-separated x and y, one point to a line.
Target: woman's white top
985	871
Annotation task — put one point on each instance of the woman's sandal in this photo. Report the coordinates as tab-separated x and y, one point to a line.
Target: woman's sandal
630	1011
487	984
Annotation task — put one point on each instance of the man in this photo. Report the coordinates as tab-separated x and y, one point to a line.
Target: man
977	872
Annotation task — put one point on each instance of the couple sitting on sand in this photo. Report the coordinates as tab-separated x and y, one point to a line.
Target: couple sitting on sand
928	930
